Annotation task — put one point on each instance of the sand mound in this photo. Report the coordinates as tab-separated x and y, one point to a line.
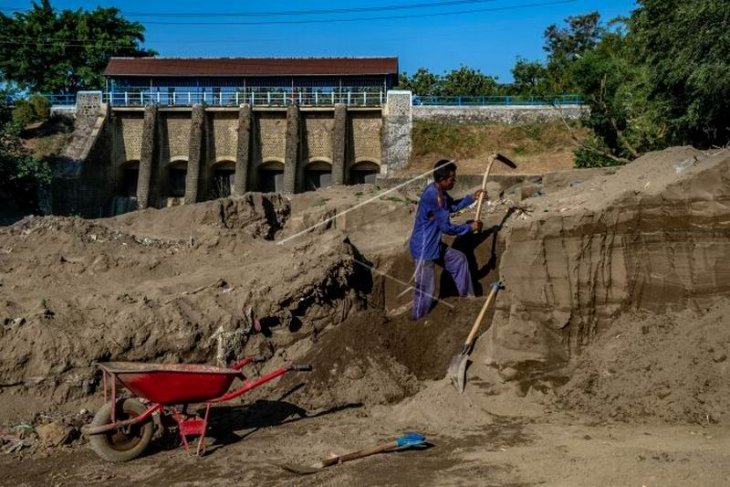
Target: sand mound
652	236
77	291
373	359
671	367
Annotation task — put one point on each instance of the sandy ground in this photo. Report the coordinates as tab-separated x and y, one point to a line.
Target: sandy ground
641	398
530	446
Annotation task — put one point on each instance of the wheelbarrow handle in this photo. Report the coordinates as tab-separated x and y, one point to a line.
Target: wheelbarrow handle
243	362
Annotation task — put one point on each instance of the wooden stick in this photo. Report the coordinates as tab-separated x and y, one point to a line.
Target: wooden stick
480	201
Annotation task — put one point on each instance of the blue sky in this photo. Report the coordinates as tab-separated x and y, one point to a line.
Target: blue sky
438	39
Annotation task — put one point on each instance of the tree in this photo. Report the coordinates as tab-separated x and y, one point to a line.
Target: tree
565	45
20	173
63	52
468	81
529	77
685	47
423	82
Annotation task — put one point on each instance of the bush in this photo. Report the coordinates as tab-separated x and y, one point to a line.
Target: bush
585	158
34	109
23	114
41	107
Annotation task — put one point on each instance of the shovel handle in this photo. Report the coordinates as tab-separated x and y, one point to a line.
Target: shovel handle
482	312
366	452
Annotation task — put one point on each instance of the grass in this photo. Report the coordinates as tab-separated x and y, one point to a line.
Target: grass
465	141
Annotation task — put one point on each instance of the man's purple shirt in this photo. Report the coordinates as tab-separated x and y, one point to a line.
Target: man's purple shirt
432	221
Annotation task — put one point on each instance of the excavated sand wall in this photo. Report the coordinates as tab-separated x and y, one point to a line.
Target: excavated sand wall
654	236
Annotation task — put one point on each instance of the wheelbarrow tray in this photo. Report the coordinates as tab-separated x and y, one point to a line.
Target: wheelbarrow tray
169	384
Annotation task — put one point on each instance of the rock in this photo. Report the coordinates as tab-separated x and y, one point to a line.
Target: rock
53	434
719	356
14	322
354	372
663	392
494	190
508	374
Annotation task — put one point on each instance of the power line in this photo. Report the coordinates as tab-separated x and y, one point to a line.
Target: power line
278	13
367	19
360	19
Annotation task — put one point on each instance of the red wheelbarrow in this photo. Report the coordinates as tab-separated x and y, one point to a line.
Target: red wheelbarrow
122	429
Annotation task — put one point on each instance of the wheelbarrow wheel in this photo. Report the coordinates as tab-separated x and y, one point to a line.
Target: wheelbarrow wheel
121	445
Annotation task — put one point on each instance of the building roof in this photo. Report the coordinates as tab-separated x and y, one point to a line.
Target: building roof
326	66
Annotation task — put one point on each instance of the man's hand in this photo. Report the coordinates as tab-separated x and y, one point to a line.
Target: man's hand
476	226
478	192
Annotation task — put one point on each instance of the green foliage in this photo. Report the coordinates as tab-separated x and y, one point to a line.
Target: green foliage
566	45
685	48
529	77
463	81
35	109
468	81
23	114
21	174
41	106
423	82
66	51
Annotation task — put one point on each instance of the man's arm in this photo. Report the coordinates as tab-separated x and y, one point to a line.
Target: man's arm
456	205
444	223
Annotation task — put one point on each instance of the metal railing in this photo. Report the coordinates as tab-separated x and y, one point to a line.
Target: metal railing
509	100
279	97
260	98
61	99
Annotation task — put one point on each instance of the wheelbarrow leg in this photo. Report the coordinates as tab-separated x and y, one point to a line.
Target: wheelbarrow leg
192	427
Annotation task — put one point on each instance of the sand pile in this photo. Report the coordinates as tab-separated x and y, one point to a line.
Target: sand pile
173	285
671	367
652	236
375	359
74	291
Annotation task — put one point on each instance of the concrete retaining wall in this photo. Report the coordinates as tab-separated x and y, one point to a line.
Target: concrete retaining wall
507	115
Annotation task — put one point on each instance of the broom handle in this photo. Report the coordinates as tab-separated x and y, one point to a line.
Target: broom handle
478	321
480	201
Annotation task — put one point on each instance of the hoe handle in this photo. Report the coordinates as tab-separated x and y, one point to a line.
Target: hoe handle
495	287
480	201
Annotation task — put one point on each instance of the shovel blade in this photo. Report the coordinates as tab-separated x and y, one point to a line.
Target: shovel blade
457	371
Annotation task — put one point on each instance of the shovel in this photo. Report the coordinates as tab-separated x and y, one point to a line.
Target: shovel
457	367
496	156
407	440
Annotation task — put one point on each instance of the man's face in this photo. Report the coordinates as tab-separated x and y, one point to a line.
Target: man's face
448	183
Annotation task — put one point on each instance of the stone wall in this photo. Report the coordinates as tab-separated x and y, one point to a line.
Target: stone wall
397	127
365	146
223	127
317	128
270	136
157	138
506	115
128	137
247	137
174	136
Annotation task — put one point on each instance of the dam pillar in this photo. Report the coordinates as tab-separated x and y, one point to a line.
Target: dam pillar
147	157
397	125
291	151
339	138
195	154
243	151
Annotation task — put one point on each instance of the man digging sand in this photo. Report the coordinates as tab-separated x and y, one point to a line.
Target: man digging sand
432	221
